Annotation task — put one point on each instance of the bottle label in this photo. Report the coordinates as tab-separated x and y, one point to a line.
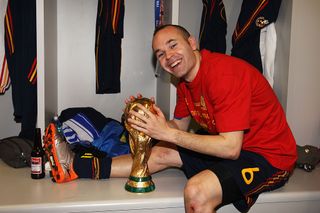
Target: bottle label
36	165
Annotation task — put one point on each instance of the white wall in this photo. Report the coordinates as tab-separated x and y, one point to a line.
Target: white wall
76	60
303	101
281	70
7	125
232	8
298	35
190	20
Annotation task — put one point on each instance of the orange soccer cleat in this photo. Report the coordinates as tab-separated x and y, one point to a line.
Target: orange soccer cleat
59	155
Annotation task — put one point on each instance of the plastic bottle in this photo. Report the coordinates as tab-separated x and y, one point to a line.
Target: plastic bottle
57	123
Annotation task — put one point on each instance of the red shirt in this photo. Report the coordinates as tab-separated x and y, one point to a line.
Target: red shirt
229	94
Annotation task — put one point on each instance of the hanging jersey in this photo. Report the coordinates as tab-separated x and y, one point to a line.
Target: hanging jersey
4	71
21	56
254	16
109	34
268	44
213	27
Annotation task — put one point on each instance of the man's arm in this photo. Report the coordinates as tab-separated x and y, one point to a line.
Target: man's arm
225	145
181	124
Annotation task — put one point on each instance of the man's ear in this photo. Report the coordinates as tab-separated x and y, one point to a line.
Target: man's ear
193	42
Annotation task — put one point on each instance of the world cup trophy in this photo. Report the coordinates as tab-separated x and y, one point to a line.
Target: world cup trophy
140	180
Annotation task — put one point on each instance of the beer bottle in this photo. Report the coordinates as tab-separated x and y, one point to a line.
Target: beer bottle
37	157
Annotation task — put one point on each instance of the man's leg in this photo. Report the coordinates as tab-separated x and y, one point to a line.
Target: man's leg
203	193
163	155
230	181
211	183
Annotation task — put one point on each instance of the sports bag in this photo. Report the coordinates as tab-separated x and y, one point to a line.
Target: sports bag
308	157
16	151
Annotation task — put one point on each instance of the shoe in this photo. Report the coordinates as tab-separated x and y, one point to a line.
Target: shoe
59	155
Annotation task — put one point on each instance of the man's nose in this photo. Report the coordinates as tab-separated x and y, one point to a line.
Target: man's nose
169	53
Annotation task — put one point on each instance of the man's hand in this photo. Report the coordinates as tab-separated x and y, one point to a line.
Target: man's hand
152	124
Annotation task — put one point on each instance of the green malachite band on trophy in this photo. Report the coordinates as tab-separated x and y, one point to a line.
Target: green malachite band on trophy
140	179
139	190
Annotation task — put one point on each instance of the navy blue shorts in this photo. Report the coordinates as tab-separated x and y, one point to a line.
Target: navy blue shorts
242	180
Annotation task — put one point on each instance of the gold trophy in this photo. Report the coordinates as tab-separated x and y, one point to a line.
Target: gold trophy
140	146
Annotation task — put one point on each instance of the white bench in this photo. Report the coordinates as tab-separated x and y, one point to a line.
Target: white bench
20	193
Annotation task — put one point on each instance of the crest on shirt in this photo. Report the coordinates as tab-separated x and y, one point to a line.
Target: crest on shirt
199	112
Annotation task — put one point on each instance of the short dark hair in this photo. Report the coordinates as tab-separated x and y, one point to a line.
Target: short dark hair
183	31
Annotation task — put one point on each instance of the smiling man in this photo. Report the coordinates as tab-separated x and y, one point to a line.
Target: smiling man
248	148
245	147
183	63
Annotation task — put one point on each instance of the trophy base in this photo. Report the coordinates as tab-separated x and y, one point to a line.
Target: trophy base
140	184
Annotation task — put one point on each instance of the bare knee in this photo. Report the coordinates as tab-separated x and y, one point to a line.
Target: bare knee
164	156
192	195
201	195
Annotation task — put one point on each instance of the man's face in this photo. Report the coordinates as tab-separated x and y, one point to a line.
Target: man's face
175	53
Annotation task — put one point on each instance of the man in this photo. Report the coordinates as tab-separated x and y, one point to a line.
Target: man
249	147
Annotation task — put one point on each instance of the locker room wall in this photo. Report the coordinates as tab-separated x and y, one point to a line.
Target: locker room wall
7	126
283	29
303	99
76	61
297	89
